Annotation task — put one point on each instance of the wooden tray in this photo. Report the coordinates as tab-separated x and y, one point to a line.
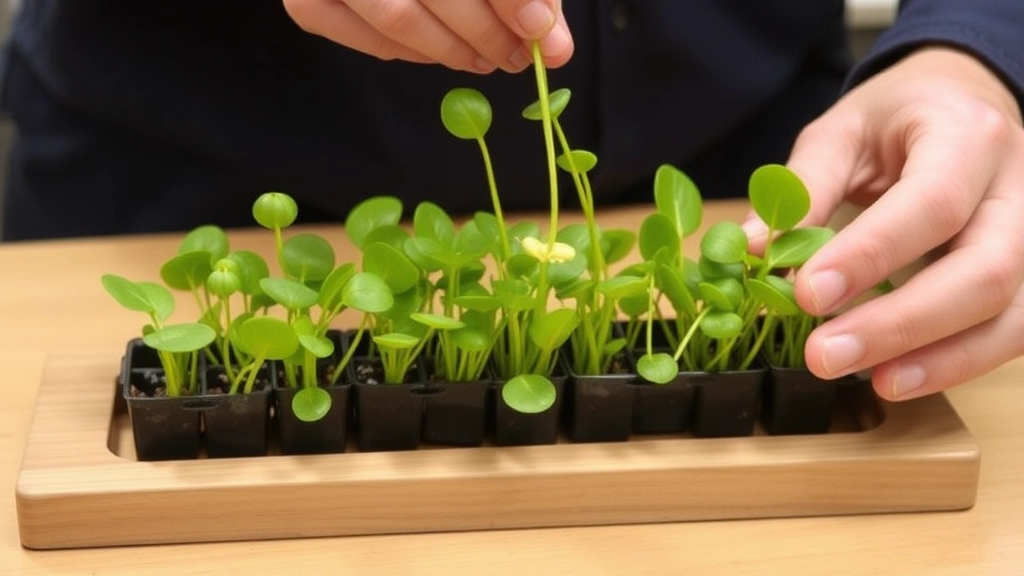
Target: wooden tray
79	484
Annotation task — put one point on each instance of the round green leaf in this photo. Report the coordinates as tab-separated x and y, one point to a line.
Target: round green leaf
390	265
657	232
551	330
677	198
366	292
778	196
333	286
529	393
721	325
622	286
187	271
430	221
476	334
134	295
616	244
209	238
671	283
659	368
251	269
722	293
307	257
429	254
396	341
724	243
436	321
311	404
557	102
582	160
371	214
478	302
291	294
403	305
267	337
466	113
319	346
634	306
794	247
160	299
180	337
775	293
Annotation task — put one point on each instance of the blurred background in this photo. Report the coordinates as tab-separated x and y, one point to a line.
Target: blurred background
866	18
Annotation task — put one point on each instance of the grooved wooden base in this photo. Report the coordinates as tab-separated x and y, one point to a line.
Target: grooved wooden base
79	484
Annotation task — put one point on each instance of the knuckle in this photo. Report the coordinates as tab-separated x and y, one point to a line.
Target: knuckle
902	336
878	257
396	19
999	281
946	207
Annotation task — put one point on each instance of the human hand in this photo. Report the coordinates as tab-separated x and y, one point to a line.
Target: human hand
473	35
933	146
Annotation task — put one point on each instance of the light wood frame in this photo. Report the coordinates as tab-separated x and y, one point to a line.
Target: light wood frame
74	491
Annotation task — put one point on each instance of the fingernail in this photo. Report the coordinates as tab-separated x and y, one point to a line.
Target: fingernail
755	228
536	18
840	352
519	59
827	287
907	378
556	43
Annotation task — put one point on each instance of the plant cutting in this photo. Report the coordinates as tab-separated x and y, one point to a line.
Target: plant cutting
529	332
313	290
726	305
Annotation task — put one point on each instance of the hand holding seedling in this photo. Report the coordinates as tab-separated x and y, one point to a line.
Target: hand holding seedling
934	147
472	35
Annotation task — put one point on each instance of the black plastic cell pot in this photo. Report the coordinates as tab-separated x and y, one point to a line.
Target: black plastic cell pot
326	435
798	402
727	402
663	408
600	407
388	416
163	428
236	424
329	434
512	428
455	413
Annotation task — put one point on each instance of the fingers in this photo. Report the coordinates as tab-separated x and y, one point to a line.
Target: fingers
949	167
953	360
472	35
938	302
941	326
337	22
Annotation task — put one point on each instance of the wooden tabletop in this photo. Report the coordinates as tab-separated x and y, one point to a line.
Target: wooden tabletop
51	300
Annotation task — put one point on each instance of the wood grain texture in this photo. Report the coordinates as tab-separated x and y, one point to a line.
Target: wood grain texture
74	491
51	300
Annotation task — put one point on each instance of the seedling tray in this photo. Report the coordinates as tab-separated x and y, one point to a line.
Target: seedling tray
80	485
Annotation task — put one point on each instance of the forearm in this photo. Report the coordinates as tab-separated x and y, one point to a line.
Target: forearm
989	30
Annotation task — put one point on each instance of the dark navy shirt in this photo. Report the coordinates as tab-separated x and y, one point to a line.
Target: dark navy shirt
165	114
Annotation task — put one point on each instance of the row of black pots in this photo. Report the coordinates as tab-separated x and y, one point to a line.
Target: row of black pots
384	416
175	428
611	408
422	412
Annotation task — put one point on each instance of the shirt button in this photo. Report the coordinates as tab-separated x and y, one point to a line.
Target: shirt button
620	16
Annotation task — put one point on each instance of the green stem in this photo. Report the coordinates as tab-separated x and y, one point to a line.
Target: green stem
492	185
